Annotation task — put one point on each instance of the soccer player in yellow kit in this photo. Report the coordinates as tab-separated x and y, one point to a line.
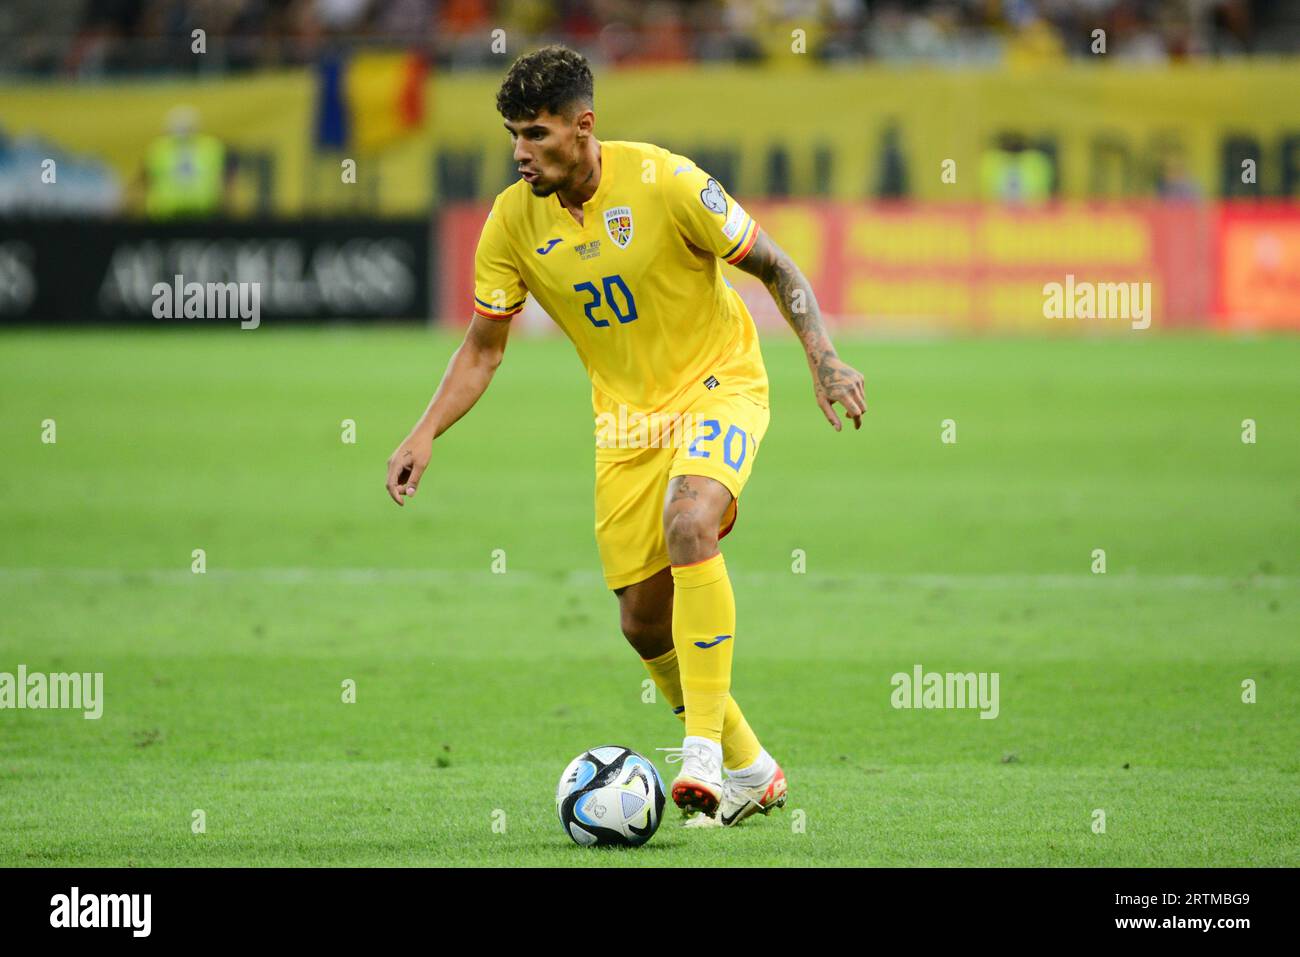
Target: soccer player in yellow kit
621	244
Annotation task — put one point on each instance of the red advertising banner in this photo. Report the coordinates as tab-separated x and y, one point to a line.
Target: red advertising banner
976	268
1257	265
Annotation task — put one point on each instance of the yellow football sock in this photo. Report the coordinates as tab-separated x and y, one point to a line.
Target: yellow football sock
664	671
740	747
704	622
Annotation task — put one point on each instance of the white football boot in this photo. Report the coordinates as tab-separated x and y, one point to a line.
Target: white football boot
698	786
739	802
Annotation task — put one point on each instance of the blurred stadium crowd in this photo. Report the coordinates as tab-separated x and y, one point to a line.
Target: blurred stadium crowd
87	38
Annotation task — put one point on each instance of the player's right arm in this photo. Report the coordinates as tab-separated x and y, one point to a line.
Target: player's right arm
466	379
499	294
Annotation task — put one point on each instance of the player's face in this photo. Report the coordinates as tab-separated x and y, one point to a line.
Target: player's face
548	150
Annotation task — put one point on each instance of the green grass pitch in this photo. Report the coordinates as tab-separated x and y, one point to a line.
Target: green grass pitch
1119	692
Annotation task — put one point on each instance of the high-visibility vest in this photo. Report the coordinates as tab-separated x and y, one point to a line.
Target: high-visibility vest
185	175
1024	176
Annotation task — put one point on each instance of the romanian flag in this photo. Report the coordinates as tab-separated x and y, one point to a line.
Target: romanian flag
368	100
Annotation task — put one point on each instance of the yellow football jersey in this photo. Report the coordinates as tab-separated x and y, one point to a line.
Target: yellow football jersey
638	288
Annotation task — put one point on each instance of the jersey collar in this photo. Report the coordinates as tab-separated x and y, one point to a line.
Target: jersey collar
589	207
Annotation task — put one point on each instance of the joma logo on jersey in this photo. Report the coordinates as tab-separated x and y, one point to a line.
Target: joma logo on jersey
618	223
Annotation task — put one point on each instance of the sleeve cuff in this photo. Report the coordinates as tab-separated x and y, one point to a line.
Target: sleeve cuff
488	311
739	251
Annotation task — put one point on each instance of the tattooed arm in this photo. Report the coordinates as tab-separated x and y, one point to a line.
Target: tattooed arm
833	380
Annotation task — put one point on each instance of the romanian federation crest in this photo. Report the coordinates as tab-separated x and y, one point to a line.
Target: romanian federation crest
618	223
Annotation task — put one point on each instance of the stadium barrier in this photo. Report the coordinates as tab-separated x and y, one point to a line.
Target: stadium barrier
975	268
887	267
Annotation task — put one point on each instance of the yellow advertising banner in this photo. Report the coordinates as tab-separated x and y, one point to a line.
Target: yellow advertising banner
848	134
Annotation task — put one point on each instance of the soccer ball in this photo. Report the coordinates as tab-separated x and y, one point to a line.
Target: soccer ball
610	795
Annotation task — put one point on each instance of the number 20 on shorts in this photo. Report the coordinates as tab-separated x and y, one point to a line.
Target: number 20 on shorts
712	428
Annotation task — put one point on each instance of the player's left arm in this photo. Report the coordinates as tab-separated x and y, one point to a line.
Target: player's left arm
833	379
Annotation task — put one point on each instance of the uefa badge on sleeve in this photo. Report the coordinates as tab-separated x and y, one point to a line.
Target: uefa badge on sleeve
713	197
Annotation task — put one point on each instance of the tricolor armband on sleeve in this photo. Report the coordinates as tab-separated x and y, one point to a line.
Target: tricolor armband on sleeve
489	311
743	245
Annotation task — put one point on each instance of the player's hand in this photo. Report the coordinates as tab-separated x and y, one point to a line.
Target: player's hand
406	465
837	381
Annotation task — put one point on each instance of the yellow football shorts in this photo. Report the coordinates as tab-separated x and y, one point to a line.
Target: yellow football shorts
718	437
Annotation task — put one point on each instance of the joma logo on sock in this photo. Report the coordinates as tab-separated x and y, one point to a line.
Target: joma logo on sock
931	689
103	910
709	644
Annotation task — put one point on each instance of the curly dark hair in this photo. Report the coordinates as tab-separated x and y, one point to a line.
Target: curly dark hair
553	78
